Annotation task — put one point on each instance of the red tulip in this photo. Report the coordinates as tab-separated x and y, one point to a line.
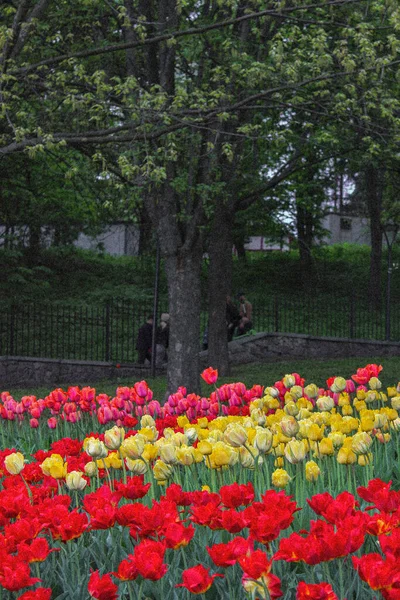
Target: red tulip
380	573
197	579
37	594
315	591
225	555
102	588
127	570
148	559
236	495
15	574
257	574
210	375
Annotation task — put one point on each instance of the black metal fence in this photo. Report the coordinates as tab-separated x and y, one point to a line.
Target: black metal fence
108	332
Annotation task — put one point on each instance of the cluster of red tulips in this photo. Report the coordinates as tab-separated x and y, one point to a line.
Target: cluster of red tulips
73	524
38	519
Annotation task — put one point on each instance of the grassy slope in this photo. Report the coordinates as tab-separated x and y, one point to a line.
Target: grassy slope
86	277
314	371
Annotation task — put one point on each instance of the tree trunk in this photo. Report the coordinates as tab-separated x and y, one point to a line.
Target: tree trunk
374	202
220	282
184	295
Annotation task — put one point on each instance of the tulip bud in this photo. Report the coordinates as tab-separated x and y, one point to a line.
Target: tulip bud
280	478
191	434
346	456
114	437
374	383
14	463
295	451
133	446
325	403
205	447
289	426
75	481
263	440
289	381
168	453
338	385
380	421
312	471
90	469
161	471
235	435
291	408
361	442
147	421
137	466
95	448
311	390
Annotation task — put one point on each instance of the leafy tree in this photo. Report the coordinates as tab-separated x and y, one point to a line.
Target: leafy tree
192	102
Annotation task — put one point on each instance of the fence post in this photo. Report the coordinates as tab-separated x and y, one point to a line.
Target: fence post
107	332
352	315
276	313
12	329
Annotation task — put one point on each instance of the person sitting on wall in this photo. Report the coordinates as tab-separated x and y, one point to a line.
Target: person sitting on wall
144	341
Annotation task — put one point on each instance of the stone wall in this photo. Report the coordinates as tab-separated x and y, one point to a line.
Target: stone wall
262	347
22	371
268	347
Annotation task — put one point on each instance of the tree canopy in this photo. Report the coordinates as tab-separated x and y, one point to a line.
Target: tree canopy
202	107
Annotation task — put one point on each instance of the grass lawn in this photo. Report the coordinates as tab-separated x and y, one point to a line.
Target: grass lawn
314	371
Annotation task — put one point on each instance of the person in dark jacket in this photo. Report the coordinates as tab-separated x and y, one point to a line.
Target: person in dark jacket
144	340
162	339
232	317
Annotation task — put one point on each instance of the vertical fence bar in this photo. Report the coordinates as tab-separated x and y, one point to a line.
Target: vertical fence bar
352	316
276	313
107	333
12	330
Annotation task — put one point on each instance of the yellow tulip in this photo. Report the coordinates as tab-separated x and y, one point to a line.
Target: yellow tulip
150	452
161	471
168	453
204	447
185	455
365	459
312	471
289	426
280	478
137	466
346	456
315	433
325	403
361	442
374	383
147	421
14	463
263	440
235	435
132	447
95	448
54	466
75	480
325	447
295	451
90	469
114	437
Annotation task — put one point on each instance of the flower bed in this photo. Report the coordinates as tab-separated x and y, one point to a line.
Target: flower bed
289	491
